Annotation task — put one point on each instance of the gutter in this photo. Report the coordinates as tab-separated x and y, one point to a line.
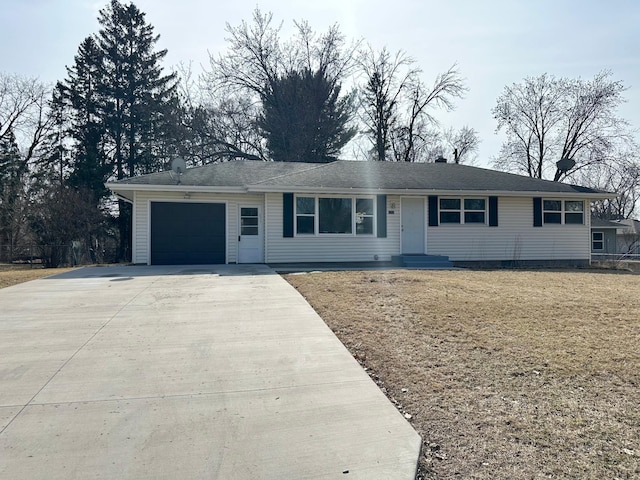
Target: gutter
422	192
129	187
258	188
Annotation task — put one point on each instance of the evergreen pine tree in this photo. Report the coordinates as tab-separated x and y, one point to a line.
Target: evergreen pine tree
123	109
11	192
78	101
137	96
304	118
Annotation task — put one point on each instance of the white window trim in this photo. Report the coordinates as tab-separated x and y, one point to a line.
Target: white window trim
563	211
372	216
316	215
296	215
601	241
462	211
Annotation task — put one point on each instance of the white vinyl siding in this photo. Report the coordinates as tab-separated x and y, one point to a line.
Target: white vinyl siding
329	248
141	217
514	239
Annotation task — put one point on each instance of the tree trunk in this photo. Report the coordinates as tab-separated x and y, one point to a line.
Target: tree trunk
124	226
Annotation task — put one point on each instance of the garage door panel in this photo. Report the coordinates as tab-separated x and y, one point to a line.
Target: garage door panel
188	233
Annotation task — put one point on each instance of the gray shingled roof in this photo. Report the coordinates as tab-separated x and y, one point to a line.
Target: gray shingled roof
415	176
228	174
600	223
342	174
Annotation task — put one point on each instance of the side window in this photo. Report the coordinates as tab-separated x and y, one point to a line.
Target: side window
305	215
459	210
475	210
574	212
597	241
552	211
364	216
450	210
568	212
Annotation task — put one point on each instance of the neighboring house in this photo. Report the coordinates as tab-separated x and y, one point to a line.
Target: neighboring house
628	237
603	237
348	211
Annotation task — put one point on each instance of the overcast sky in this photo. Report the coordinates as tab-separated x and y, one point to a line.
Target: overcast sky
494	42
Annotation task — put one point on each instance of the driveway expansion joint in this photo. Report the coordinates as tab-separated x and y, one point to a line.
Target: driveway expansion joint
66	362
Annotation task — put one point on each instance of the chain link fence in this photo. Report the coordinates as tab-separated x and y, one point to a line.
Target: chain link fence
70	255
620	261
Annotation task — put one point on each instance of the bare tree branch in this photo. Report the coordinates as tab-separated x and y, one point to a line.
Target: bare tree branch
548	119
446	87
387	77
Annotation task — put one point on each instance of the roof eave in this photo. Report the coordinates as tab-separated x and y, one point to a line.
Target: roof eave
409	191
181	188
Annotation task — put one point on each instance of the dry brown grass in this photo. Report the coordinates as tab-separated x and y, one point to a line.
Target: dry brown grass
14	274
508	374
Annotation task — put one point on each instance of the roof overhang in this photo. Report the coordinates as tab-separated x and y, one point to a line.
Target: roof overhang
126	190
423	192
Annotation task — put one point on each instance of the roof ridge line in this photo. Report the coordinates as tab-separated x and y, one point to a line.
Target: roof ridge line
311	167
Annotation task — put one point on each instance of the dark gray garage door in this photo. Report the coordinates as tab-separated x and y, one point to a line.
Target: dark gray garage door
187	233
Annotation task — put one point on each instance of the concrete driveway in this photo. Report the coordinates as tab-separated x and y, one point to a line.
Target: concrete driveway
218	372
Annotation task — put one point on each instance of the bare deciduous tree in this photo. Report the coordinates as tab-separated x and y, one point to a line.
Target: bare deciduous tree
251	71
547	119
622	177
463	144
216	127
419	120
387	77
24	113
24	125
257	57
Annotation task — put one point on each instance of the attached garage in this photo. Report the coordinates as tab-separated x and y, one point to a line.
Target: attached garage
186	233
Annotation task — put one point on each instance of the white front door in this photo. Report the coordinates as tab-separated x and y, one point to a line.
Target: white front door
412	217
250	238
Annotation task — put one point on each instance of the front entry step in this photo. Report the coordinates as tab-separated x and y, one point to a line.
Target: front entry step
422	261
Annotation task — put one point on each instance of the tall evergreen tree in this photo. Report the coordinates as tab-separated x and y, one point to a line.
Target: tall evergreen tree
78	96
123	109
137	97
305	119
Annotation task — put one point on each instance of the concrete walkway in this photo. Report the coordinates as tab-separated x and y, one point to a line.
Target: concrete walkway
185	372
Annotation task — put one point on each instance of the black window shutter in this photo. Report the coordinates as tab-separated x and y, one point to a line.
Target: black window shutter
381	211
287	214
537	211
433	211
493	211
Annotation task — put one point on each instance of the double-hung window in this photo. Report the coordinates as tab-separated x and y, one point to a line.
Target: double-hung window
475	210
463	210
597	241
552	211
364	216
305	215
574	212
450	210
334	215
563	212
